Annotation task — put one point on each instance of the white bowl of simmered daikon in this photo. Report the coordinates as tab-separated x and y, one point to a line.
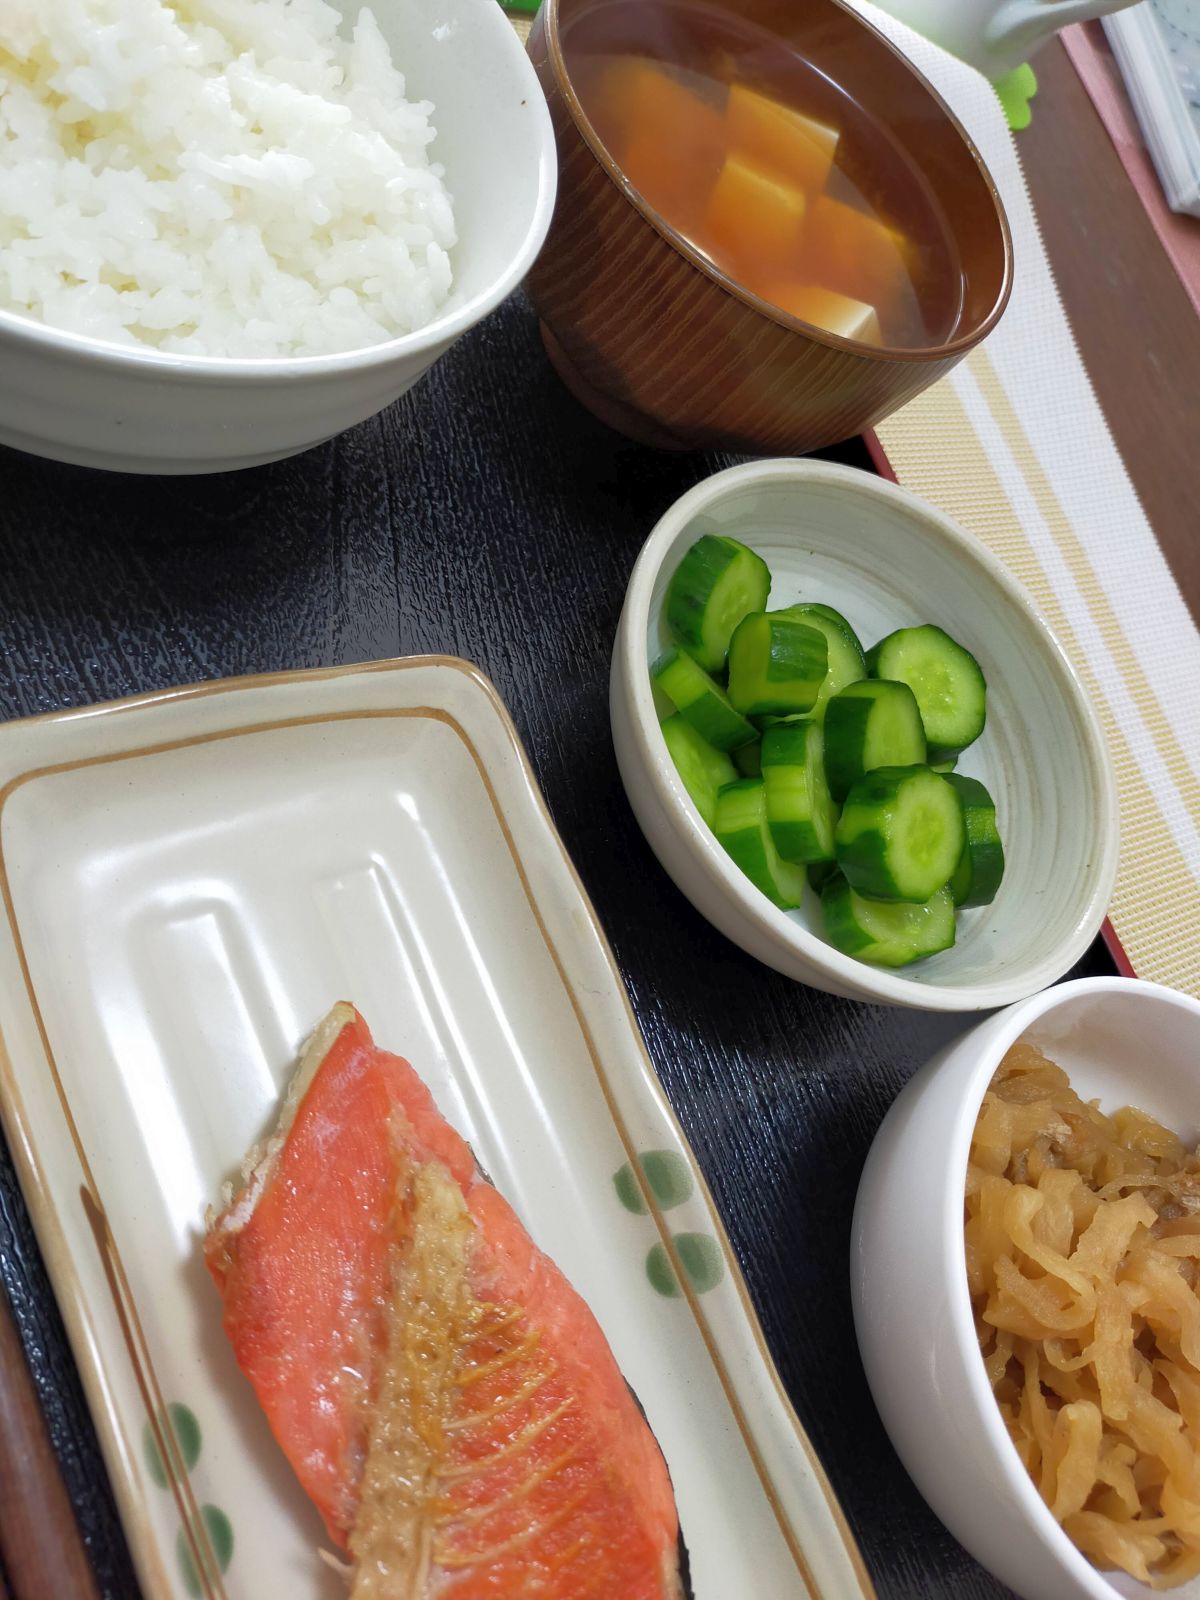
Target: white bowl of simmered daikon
1025	1266
856	746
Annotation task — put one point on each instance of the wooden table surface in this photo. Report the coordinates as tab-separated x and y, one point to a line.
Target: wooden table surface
488	516
1136	328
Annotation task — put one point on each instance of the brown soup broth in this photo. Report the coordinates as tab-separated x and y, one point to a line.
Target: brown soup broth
654	78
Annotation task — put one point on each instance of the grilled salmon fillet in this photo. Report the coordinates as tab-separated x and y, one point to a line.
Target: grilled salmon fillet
445	1397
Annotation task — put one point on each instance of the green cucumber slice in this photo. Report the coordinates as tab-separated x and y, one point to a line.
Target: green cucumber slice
938	762
820	872
762	723
890	935
748	759
718	582
800	809
741	826
704	703
870	724
820	609
776	665
901	834
847	664
946	679
704	770
981	865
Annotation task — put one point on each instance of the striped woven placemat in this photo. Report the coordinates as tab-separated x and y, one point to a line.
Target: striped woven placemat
1014	445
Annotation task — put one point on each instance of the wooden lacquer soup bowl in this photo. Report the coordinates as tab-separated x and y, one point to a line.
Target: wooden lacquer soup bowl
660	343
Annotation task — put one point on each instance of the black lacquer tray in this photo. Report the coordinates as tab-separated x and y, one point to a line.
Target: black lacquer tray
486	515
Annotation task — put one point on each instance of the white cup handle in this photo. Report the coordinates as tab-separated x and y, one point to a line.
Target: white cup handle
1030	20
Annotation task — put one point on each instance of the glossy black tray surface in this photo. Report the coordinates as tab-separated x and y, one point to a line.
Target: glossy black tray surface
486	515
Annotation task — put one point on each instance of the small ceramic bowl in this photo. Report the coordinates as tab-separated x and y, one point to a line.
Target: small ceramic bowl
97	404
1123	1042
659	343
886	560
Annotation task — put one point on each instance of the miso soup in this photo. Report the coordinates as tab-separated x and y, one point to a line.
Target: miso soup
768	169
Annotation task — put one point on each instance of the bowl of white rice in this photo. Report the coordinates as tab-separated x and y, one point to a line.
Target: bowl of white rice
230	229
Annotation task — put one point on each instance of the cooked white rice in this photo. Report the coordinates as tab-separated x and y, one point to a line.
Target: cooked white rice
215	177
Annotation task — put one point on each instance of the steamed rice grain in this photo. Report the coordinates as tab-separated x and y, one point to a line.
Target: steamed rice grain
215	177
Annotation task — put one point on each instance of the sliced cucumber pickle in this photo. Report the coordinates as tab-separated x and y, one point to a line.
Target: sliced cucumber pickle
741	826
867	725
800	809
748	759
704	770
818	765
981	865
847	664
776	666
718	582
820	872
890	935
701	700
819	609
901	834
946	679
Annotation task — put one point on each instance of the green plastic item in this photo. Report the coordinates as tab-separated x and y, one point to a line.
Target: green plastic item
1015	90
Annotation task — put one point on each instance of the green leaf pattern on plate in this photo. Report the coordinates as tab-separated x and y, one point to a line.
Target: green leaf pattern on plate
216	1552
701	1258
667	1174
180	1429
661	1273
212	1533
629	1191
669	1179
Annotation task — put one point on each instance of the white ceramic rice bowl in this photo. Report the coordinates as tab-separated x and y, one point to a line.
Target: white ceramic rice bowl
97	404
886	559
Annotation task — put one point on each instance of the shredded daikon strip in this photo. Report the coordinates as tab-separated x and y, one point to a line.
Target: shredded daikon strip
1083	1255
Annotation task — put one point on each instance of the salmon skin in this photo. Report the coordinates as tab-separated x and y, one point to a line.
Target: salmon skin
445	1397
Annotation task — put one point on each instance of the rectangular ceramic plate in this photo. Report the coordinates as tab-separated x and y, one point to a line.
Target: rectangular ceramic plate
190	880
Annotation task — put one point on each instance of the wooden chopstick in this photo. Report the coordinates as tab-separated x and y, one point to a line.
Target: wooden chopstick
41	1551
